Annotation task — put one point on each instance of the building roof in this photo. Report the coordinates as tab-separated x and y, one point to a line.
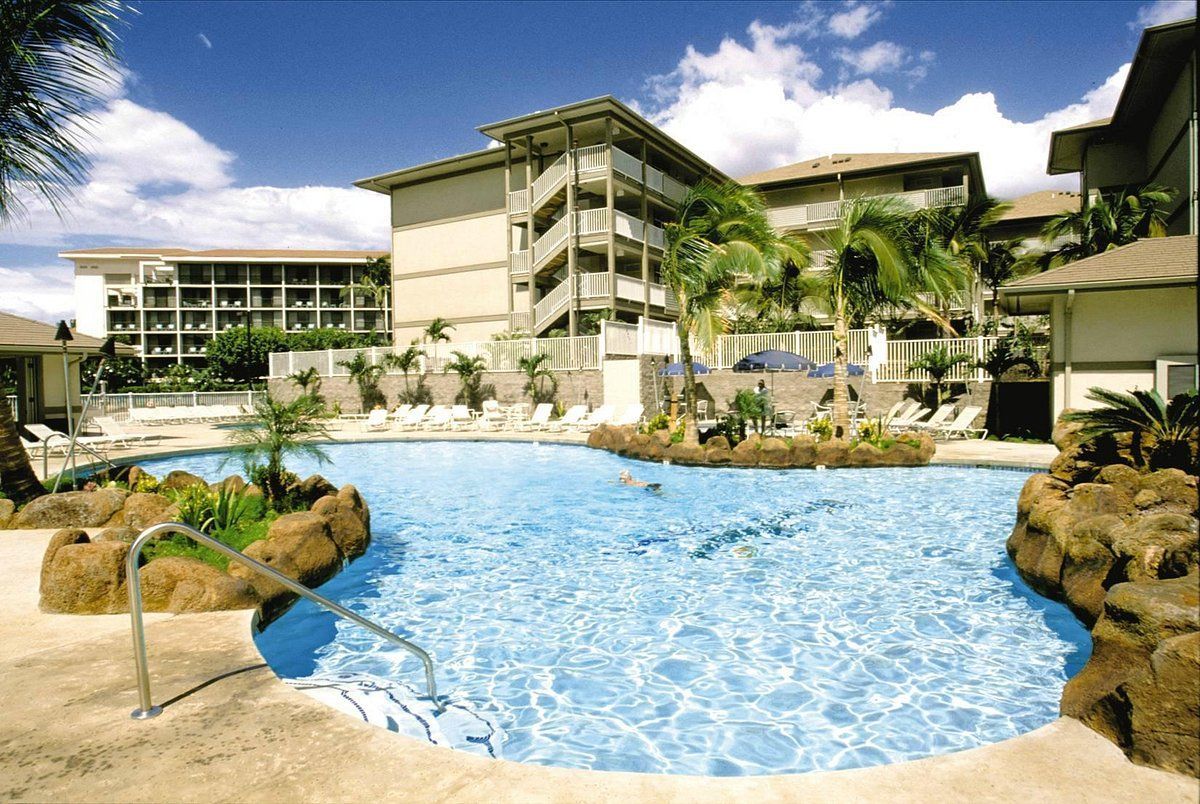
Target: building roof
1161	53
1153	261
833	164
24	335
1042	204
248	254
462	163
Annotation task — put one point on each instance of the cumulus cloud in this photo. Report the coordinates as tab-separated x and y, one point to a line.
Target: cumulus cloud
855	19
1161	12
881	57
156	181
749	106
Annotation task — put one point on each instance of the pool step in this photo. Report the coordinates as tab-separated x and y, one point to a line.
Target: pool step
395	706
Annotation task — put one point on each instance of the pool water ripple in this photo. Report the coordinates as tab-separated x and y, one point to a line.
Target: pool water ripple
739	622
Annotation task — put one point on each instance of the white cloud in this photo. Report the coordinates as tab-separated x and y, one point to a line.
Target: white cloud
856	19
156	181
881	57
749	107
204	40
1163	11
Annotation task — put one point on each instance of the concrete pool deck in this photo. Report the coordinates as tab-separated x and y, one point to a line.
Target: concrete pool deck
231	731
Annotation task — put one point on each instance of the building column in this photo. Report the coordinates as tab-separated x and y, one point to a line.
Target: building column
529	229
645	239
572	257
508	238
610	202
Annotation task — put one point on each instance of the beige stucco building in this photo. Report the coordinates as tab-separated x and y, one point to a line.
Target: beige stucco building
564	216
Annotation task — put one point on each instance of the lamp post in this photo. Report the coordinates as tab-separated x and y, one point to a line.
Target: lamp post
107	350
63	335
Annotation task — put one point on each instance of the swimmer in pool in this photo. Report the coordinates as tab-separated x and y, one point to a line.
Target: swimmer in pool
626	478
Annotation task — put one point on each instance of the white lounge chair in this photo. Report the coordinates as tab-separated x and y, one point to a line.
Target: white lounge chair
397	415
55	441
540	419
961	426
492	417
461	418
599	416
377	419
120	436
909	418
939	417
438	418
631	415
569	419
412	419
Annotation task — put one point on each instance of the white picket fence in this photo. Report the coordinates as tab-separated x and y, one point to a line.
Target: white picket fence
119	405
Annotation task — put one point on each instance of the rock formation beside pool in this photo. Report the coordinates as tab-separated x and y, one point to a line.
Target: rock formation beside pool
800	452
1121	548
86	575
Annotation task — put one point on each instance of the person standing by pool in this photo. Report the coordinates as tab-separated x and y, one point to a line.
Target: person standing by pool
764	398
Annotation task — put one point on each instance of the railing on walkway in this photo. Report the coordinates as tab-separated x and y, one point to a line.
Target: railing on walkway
824	211
119	405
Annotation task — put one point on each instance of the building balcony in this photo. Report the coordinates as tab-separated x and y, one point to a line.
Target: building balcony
594	294
821	215
592	229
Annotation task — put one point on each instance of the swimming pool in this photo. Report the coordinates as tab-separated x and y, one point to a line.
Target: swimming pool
738	622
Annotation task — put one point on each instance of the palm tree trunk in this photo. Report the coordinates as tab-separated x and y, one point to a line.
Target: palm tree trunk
17	480
691	435
841	375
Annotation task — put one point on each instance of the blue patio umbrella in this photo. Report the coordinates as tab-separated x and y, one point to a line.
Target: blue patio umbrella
774	360
676	369
826	370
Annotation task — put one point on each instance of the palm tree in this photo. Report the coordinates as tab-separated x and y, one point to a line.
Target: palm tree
1171	427
1107	222
873	266
470	373
536	375
305	379
998	361
279	430
438	330
365	375
721	241
374	285
56	56
405	361
1000	263
937	363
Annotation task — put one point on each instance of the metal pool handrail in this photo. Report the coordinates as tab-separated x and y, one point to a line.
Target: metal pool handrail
146	708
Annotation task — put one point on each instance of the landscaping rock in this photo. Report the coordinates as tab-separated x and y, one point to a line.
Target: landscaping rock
311	489
180	584
349	520
1157	546
775	453
717	451
83	577
637	445
803	452
117	534
596	438
143	510
300	546
865	454
232	484
71	509
252	490
746	453
689	454
663	437
179	480
7	509
1174	488
833	453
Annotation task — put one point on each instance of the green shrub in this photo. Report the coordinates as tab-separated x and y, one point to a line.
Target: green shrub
822	429
655	423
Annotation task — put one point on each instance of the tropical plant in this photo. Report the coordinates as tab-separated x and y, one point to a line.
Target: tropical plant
305	379
229	507
375	284
1107	222
195	507
1006	355
721	241
750	407
537	375
244	354
821	429
365	375
405	362
872	265
470	374
511	335
1000	263
960	232
589	323
937	363
57	59
1168	429
438	330
277	431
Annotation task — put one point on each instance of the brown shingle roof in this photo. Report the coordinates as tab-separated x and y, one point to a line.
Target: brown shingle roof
1165	260
1042	204
833	164
20	334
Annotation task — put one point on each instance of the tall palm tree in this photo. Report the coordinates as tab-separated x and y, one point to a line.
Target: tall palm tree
470	370
721	241
1107	222
957	232
872	266
1170	426
438	330
56	57
1001	262
937	363
305	379
278	430
365	375
405	361
537	373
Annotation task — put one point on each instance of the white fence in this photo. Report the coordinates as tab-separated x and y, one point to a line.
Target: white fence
119	405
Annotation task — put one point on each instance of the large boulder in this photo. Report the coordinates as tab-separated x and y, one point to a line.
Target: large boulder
746	453
638	445
596	438
1141	688
179	480
833	453
300	546
180	584
865	454
71	509
1170	490
687	454
234	484
803	452
311	489
143	510
1158	545
83	577
349	520
717	451
7	510
775	453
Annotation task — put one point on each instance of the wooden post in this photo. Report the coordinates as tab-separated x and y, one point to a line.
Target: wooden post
572	257
610	203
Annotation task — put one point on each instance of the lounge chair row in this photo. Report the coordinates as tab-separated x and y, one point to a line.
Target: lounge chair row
114	436
942	424
188	414
495	418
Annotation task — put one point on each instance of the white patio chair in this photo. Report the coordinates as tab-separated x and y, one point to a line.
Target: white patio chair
120	436
569	419
961	426
907	418
55	441
599	416
376	420
438	418
461	418
412	419
631	415
397	415
492	417
539	420
939	417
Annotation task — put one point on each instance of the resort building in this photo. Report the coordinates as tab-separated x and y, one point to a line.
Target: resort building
1151	136
169	302
1027	214
563	217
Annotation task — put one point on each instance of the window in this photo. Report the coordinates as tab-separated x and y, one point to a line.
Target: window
1175	374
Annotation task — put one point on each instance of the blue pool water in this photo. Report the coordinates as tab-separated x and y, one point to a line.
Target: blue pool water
739	622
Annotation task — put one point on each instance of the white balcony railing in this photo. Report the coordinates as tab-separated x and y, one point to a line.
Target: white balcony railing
545	184
518	262
550	241
824	211
591	160
588	223
518	202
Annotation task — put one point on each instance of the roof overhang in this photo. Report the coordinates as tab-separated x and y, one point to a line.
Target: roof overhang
974	170
1067	146
73	348
1037	299
451	165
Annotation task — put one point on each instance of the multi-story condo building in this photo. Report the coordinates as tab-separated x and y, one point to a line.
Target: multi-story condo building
1151	136
565	216
1027	215
169	302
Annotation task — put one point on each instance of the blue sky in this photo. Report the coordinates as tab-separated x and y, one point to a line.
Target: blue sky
242	124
